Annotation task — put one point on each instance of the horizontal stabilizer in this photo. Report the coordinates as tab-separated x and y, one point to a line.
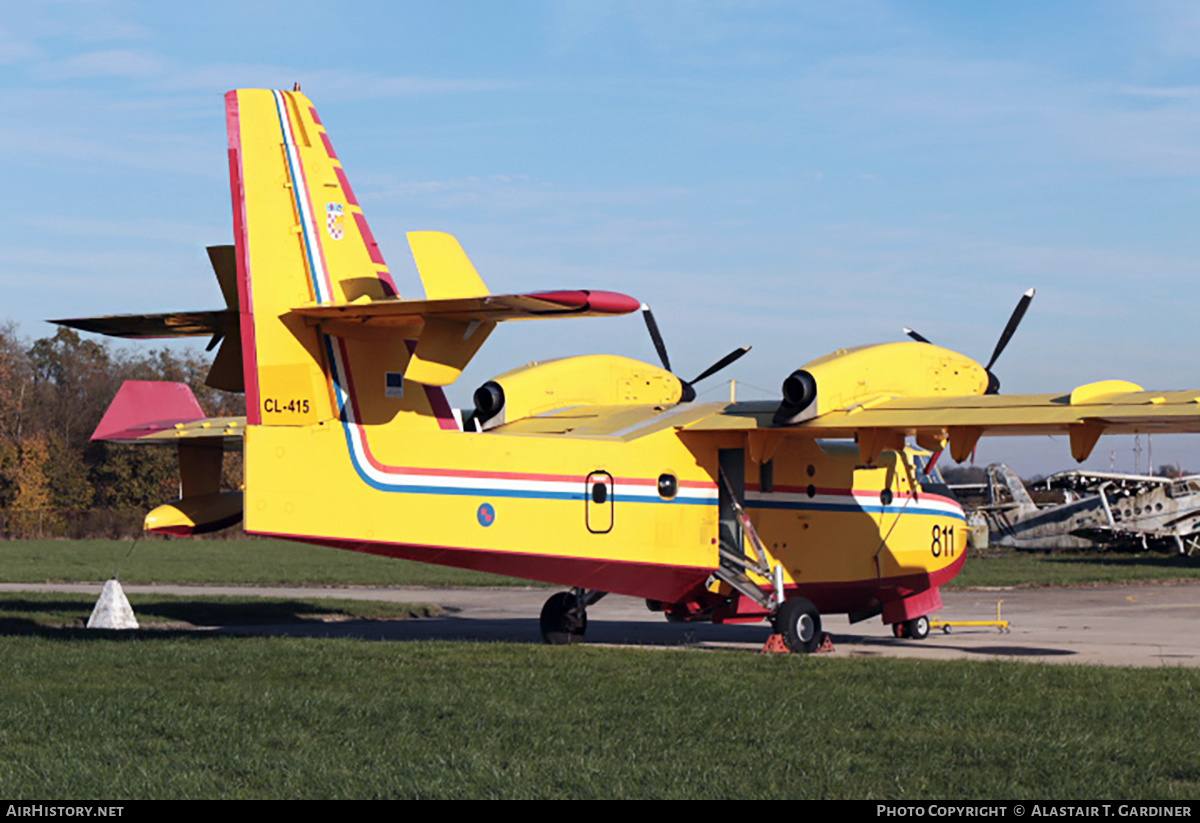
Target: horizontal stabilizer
222	326
396	311
149	326
152	411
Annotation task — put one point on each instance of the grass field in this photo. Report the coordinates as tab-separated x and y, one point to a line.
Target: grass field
177	714
247	561
169	716
271	562
1013	568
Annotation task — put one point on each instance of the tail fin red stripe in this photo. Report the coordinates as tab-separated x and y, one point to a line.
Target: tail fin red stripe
345	184
369	239
328	146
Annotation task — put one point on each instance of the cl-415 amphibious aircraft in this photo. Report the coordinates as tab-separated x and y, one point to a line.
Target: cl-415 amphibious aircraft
599	473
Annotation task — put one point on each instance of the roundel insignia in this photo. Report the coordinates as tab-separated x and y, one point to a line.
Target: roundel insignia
486	515
335	214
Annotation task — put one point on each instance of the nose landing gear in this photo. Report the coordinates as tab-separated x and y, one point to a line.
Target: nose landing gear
915	629
798	622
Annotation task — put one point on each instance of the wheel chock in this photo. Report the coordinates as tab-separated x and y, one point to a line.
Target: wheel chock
775	645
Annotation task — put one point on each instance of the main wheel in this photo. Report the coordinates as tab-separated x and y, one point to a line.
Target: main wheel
917	628
799	622
563	620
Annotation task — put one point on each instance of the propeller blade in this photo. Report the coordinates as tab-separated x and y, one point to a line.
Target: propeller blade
915	336
720	364
1013	322
659	346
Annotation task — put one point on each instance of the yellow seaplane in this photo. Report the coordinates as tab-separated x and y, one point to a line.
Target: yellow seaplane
599	473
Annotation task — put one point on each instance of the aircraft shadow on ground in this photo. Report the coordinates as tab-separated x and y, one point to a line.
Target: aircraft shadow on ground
942	643
22	617
67	618
513	630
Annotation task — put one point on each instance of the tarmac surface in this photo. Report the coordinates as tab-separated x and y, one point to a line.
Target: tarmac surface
1149	625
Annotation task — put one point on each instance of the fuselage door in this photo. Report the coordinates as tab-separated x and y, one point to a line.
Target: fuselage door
599	502
732	482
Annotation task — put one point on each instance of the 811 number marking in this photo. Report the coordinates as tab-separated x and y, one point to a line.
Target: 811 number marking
943	541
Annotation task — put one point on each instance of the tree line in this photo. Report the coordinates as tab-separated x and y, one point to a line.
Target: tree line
55	482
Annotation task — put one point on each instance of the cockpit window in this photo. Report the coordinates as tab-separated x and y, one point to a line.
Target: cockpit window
925	476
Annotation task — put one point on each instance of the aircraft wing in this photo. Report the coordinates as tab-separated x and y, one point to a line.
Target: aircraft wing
883	422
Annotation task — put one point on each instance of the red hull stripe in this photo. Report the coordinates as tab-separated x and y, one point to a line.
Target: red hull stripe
654	581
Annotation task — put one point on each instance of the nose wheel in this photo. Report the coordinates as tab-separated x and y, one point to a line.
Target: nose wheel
915	629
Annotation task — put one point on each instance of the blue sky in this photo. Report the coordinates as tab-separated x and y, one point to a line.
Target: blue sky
795	176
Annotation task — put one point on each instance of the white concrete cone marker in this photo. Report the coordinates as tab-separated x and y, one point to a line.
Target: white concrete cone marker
112	609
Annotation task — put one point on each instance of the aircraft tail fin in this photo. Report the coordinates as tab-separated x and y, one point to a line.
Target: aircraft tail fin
324	334
1003	482
301	238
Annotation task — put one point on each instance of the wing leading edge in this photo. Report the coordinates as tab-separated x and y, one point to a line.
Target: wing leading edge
958	422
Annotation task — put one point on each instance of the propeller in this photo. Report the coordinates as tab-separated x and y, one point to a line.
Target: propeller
1005	336
689	393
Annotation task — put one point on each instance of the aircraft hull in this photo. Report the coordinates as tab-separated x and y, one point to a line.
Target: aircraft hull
838	543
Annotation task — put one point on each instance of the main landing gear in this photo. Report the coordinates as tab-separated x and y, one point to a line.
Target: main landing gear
564	617
915	629
799	623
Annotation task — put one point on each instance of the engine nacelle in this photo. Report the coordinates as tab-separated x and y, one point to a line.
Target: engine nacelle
858	376
592	380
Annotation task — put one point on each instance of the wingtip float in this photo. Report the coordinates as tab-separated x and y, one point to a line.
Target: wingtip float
595	472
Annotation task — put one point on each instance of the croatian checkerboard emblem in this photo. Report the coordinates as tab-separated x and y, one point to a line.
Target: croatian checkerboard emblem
335	220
